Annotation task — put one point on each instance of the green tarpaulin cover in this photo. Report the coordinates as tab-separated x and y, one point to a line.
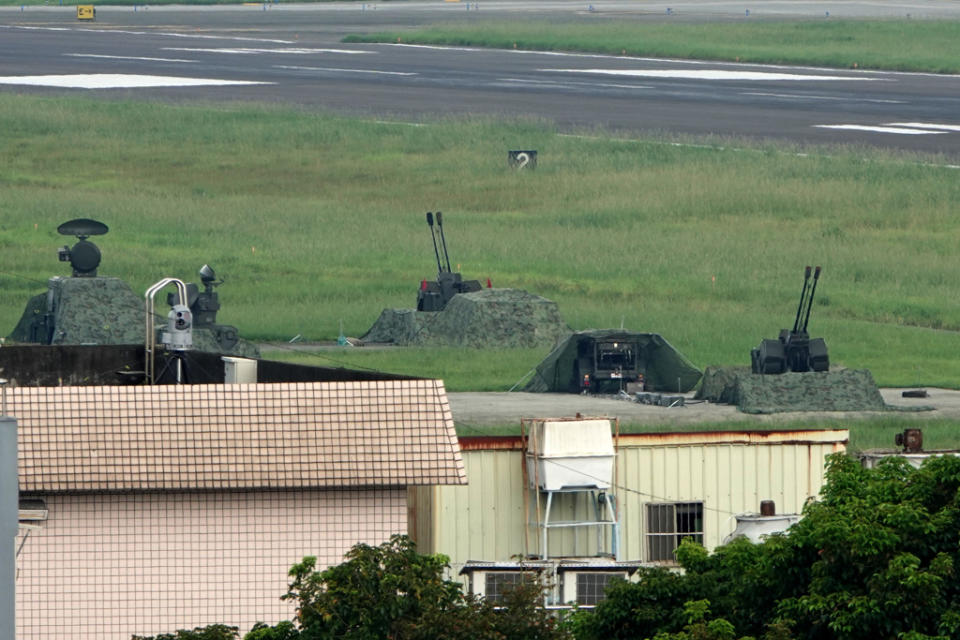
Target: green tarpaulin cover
664	368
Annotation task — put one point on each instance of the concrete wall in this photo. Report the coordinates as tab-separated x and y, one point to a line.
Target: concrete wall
105	567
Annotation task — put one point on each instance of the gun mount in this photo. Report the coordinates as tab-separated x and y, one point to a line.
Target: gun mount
203	306
794	350
434	295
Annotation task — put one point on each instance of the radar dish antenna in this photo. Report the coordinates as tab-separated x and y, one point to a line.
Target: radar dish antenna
84	256
82	228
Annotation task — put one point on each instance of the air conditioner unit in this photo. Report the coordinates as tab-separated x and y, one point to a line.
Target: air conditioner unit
586	583
31	514
491	579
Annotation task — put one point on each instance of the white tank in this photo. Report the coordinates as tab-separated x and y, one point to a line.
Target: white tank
570	454
756	527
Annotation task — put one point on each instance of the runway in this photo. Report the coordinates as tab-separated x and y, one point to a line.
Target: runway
293	54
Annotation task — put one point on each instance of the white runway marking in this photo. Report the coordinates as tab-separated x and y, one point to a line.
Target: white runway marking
805	97
683	61
878	129
246	51
706	74
199	36
386	73
554	83
926	125
117	81
96	55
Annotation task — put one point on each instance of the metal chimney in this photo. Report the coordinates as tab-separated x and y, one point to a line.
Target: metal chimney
911	440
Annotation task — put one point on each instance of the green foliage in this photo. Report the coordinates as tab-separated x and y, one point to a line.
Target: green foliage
876	557
391	591
631	611
212	632
285	630
698	627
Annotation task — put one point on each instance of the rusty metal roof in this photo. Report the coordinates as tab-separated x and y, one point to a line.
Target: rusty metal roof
199	437
682	438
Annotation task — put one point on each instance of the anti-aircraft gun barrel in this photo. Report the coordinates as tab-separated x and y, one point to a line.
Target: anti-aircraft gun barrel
433	236
803	297
813	289
443	239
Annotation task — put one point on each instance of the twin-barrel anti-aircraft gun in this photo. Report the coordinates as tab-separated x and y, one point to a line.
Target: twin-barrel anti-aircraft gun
794	350
435	294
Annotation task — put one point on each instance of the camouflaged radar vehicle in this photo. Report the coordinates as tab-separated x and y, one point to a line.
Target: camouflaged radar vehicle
89	309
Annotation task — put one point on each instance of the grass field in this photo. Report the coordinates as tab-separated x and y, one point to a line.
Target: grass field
905	45
316	221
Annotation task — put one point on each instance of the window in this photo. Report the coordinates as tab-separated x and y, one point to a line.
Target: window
669	524
32	513
498	583
592	585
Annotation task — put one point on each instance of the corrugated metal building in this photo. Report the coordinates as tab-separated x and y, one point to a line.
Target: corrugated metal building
666	486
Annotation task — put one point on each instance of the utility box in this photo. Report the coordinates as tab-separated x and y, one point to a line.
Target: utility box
239	370
570	454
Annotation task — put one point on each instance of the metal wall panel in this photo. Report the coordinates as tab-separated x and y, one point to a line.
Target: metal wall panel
485	520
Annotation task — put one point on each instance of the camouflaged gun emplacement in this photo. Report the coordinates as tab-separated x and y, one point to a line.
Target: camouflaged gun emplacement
434	295
794	350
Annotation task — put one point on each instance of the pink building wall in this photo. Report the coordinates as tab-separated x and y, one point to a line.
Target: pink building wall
108	566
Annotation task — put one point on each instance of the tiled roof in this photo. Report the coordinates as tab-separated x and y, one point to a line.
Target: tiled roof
277	436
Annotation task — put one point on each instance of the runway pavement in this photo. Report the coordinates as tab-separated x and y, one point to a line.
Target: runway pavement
474	411
293	54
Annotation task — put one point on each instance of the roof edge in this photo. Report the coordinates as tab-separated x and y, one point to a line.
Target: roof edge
683	438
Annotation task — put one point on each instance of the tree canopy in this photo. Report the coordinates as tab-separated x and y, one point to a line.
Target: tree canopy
875	557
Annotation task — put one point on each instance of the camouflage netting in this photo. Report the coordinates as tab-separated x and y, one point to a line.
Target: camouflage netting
87	311
102	311
845	390
489	318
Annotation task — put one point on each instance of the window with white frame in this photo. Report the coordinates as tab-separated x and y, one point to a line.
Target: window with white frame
498	583
592	585
670	523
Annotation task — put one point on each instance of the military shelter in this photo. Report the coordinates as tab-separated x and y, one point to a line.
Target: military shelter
842	390
485	319
615	355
